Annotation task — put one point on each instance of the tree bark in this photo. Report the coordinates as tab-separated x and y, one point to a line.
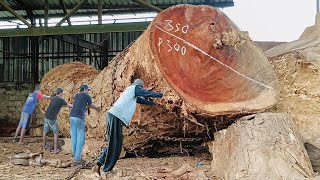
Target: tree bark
266	147
209	70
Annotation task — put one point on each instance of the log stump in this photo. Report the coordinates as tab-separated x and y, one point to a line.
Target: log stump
209	70
266	147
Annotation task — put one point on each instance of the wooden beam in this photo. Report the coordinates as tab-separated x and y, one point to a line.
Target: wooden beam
71	12
63	6
15	14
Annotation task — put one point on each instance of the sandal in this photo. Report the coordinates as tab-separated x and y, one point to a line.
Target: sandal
58	150
77	163
80	163
22	143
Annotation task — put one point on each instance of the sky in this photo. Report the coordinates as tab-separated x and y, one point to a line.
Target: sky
273	20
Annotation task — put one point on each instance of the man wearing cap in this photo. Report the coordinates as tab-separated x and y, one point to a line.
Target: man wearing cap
82	100
120	114
27	110
50	118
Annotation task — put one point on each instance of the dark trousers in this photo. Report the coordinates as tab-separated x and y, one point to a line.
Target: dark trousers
112	152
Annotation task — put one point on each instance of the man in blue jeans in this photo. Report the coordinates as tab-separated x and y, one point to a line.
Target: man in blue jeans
27	111
120	114
50	118
82	100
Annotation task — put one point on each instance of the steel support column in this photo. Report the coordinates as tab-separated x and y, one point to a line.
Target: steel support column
99	11
63	6
78	6
46	12
28	9
34	59
104	57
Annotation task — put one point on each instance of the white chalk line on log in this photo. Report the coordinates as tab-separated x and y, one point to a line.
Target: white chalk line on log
203	52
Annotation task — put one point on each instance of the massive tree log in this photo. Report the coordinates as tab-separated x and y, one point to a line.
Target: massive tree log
266	147
208	69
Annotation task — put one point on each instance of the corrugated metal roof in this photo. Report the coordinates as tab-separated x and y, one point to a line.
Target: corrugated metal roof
90	8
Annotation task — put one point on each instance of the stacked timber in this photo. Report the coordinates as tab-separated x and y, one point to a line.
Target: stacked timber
208	69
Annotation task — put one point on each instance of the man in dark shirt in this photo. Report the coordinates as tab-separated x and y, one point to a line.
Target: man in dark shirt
50	118
118	115
82	100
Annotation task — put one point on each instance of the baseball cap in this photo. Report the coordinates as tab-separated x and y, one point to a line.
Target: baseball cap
139	82
85	86
59	90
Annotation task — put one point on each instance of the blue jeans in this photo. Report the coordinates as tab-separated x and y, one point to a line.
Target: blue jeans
77	132
50	124
24	120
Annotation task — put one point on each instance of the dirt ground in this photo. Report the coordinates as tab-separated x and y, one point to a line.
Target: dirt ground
174	167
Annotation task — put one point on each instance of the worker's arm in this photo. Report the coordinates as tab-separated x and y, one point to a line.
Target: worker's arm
64	103
69	105
41	96
95	107
145	93
46	97
91	105
144	101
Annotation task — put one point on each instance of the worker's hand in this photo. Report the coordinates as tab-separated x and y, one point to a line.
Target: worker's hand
165	92
98	109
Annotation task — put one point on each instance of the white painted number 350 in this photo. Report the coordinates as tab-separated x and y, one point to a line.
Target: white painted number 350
184	29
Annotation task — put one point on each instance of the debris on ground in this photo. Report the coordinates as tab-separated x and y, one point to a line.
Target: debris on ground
176	167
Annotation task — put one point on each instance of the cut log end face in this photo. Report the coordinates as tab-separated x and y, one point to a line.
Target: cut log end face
198	52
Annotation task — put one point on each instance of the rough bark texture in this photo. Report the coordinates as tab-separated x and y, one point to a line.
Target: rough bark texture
209	70
266	147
